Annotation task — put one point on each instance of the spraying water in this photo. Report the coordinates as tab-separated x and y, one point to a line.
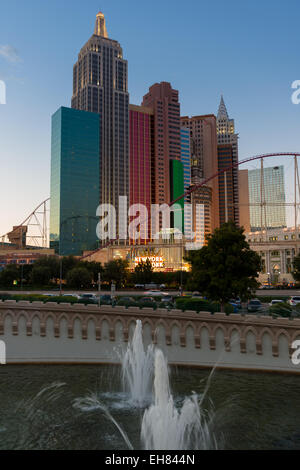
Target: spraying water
164	427
137	368
92	403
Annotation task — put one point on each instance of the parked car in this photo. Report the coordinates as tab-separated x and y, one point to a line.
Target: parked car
196	294
126	301
147	299
76	296
237	302
106	299
254	305
151	286
294	300
162	286
154	293
90	297
234	305
275	301
139	286
167	299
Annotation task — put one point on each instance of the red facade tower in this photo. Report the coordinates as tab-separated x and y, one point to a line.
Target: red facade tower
141	151
163	100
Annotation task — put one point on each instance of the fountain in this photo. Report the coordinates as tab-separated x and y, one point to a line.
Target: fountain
164	427
92	403
137	368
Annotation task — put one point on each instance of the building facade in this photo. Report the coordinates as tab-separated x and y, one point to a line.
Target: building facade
176	191
277	248
164	102
100	85
141	160
227	137
187	178
227	183
204	164
244	202
74	181
267	198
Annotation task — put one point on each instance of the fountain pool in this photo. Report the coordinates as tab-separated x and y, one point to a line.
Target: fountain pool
142	406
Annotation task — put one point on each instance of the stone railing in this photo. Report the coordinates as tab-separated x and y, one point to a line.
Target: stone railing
63	333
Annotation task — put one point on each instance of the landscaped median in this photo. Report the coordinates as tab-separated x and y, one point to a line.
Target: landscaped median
181	303
184	304
201	305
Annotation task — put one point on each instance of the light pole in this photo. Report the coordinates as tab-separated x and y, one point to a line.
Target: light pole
99	289
21	276
60	276
113	291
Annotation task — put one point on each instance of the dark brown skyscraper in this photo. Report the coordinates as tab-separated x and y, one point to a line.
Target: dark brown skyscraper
100	86
228	156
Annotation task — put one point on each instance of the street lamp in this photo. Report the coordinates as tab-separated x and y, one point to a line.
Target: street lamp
99	289
60	276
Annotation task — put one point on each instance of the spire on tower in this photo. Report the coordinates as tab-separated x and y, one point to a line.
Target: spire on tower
100	26
222	113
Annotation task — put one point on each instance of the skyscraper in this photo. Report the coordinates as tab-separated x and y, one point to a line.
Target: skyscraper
100	85
166	109
244	200
228	182
267	188
187	177
204	164
141	156
177	190
74	181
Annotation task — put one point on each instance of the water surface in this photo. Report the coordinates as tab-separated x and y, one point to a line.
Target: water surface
250	410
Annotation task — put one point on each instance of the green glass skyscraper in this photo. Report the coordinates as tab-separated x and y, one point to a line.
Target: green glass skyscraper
177	190
75	177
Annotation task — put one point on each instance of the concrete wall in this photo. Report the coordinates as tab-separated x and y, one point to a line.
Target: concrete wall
52	333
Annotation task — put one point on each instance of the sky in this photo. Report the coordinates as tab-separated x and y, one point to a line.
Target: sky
249	51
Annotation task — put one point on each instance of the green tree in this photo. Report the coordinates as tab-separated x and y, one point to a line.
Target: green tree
296	272
226	267
50	262
116	271
40	275
143	272
79	278
94	268
10	274
68	263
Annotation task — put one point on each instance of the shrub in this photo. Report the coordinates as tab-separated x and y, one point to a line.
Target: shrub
5	297
62	300
163	305
147	305
281	310
201	305
197	305
266	299
127	303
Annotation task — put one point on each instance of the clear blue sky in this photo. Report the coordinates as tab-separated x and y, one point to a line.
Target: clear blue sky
249	51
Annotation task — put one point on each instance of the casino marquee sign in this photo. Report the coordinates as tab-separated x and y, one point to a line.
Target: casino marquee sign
158	262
